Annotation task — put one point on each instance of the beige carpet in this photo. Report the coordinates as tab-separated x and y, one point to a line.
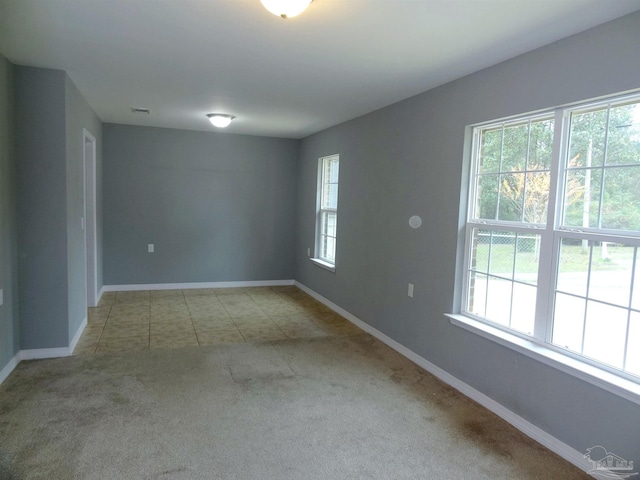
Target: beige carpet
322	408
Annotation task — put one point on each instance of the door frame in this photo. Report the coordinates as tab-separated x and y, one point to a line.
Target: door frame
90	220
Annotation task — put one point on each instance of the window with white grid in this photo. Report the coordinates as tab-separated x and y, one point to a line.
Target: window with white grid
553	231
327	209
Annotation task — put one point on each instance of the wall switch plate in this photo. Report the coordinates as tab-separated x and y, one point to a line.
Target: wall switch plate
308	252
1	296
151	248
410	290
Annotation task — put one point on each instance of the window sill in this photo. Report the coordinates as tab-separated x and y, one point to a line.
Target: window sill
608	381
326	265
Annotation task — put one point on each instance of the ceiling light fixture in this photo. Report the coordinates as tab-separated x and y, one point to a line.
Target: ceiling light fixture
286	8
220	120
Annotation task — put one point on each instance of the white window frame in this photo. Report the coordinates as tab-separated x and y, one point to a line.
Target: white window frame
498	225
538	345
321	210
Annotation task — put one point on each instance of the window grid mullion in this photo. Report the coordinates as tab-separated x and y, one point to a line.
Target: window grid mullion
486	291
471	212
586	300
473	178
323	211
604	162
548	257
513	276
553	236
468	258
497	216
526	169
633	279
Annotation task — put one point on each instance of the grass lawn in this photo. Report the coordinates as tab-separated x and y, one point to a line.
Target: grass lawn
572	259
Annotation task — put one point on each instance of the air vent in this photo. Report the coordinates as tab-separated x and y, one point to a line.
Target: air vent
140	110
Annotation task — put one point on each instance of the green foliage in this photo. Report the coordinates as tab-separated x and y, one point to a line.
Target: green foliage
616	204
506	192
603	170
573	259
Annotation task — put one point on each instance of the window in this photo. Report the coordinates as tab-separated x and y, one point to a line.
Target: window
552	248
327	210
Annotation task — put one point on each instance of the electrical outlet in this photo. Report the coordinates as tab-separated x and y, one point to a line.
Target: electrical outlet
151	248
410	290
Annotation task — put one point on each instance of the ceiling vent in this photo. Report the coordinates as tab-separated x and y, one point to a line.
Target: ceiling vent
140	110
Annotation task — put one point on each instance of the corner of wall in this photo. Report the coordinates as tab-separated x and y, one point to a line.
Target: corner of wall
9	314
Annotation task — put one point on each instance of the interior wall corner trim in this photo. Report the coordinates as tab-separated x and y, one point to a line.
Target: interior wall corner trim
41	353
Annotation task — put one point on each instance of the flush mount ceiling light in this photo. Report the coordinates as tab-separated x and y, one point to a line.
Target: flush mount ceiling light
286	8
220	120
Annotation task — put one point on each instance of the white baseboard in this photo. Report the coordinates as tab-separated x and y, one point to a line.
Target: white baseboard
9	367
188	286
40	353
560	448
100	295
526	427
77	336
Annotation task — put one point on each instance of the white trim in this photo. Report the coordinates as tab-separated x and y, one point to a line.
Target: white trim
9	367
320	210
618	381
89	168
608	381
324	264
560	448
102	290
39	353
188	286
352	318
76	337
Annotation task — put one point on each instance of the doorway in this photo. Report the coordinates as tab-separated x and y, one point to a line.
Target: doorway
91	247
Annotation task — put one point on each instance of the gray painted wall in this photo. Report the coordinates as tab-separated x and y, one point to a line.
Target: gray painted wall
407	159
218	207
9	325
79	116
42	200
50	117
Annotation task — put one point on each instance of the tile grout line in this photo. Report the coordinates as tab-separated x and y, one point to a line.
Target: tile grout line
271	315
191	319
104	325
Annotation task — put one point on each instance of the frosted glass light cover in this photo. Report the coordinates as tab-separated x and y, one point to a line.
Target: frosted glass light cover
220	121
286	8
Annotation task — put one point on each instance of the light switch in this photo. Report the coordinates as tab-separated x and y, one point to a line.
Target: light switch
151	248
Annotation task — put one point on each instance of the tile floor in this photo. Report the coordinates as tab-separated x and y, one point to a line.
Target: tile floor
161	319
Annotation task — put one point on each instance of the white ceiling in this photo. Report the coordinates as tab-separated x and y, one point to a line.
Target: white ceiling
284	78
